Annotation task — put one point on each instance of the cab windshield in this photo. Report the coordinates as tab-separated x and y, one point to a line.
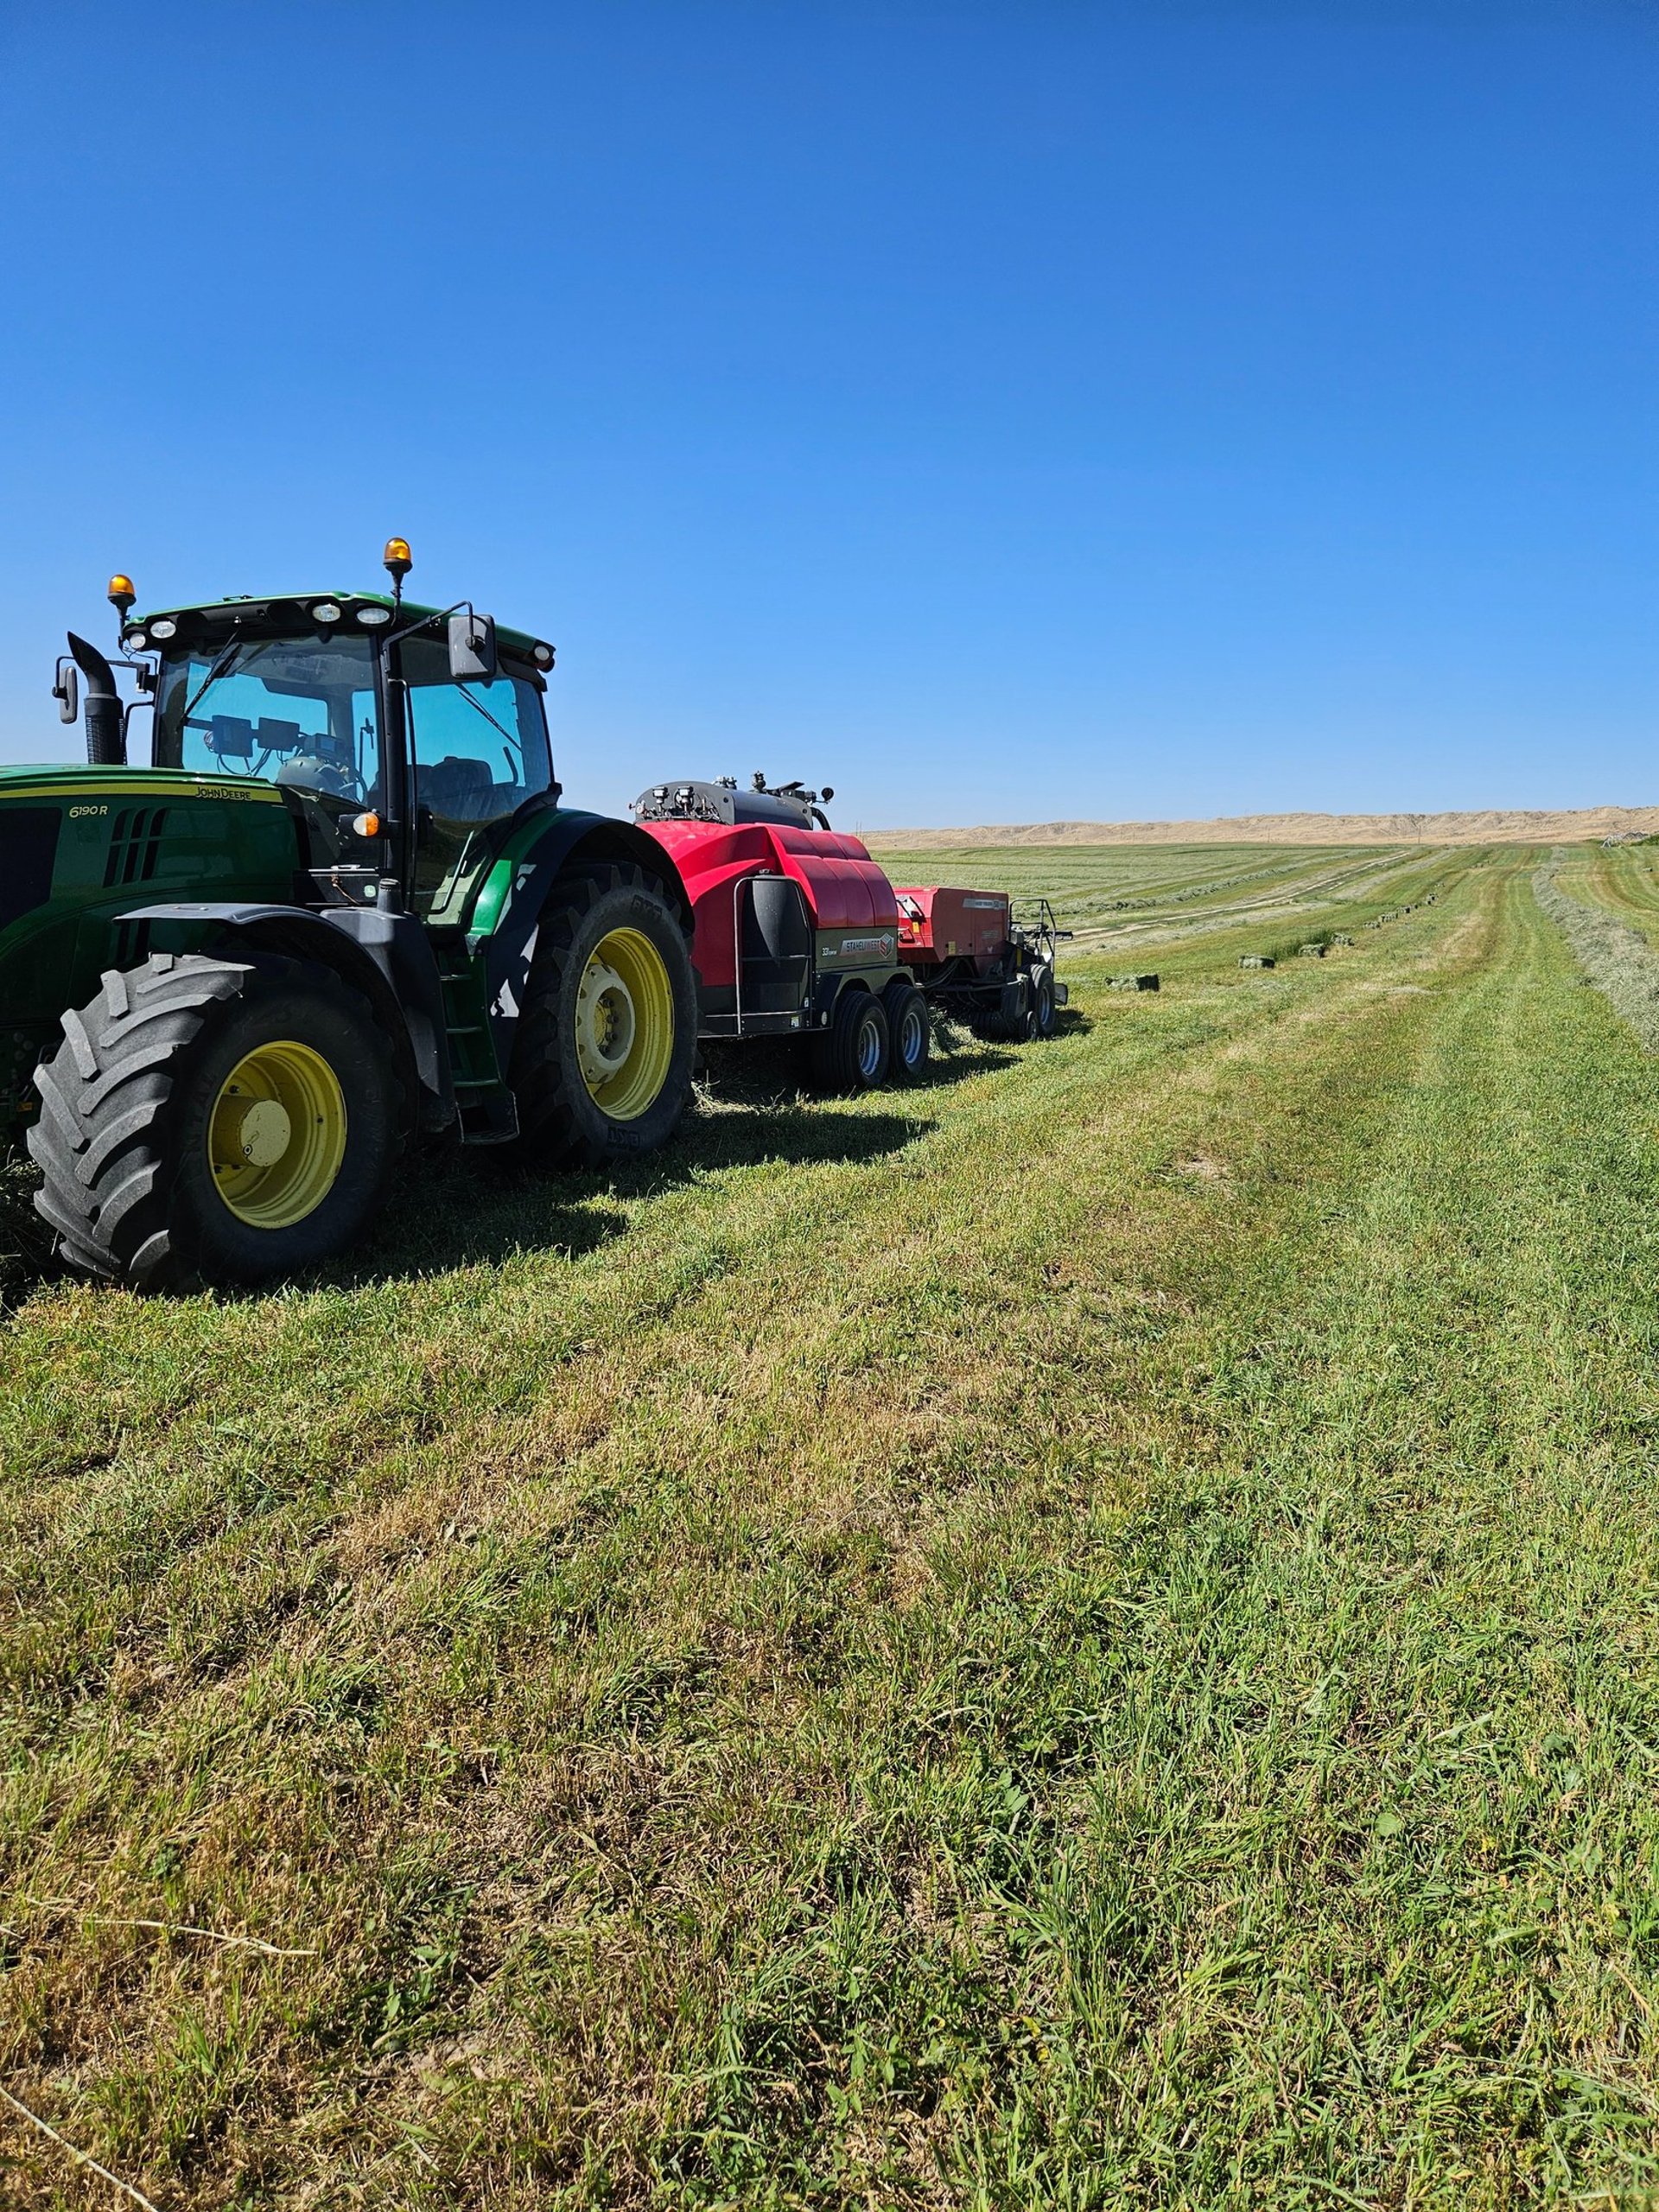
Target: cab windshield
301	711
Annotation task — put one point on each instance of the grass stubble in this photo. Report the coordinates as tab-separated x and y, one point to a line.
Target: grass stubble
1084	1636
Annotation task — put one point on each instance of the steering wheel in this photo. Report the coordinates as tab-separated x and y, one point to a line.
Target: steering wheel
311	773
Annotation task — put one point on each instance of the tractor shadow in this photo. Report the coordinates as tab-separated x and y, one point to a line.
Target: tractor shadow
470	1209
25	1240
466	1209
767	1074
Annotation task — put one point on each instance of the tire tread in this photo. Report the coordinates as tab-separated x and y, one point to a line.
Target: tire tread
103	1139
542	1075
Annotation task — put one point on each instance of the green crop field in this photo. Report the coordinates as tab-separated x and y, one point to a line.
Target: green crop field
1085	1635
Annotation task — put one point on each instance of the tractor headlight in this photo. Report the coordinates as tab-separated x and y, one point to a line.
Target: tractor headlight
325	611
137	640
372	617
165	628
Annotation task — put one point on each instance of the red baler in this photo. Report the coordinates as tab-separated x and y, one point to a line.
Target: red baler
799	932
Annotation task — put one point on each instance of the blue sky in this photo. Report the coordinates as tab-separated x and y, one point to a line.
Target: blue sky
1000	409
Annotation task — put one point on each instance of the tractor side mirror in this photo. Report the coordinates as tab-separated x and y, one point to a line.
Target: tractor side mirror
67	691
471	647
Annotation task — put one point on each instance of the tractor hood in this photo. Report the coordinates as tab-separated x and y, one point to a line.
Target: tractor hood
76	841
79	785
81	846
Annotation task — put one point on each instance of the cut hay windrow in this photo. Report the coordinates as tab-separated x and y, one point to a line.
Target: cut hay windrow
1620	962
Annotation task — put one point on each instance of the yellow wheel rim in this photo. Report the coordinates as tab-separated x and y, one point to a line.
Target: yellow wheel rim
625	1025
277	1135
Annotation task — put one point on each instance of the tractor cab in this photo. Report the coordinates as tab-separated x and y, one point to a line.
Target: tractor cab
406	739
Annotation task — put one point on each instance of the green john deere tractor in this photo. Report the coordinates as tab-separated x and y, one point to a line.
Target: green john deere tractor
342	910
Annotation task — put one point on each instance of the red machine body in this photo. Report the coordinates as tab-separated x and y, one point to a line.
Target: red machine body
792	921
849	903
939	923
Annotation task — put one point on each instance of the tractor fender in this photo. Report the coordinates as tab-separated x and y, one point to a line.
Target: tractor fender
508	910
387	957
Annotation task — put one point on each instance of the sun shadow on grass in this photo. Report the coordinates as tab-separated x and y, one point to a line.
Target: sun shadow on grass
472	1207
25	1240
767	1072
469	1210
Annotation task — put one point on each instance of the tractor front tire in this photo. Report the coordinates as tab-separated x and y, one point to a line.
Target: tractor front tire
852	1053
601	1067
214	1120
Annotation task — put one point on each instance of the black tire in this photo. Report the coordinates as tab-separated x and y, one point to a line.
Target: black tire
1008	1029
851	1054
128	1102
562	1122
1044	1015
909	1030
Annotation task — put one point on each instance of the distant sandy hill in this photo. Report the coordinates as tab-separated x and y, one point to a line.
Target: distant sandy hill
1496	827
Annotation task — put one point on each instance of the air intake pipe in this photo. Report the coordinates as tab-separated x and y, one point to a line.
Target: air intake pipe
106	729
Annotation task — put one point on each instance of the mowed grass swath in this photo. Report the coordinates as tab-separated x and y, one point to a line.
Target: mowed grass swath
1084	1635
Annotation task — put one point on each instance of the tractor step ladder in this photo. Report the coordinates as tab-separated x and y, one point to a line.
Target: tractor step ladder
488	1110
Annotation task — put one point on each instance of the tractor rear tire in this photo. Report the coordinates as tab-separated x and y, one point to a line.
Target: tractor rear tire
852	1053
601	1067
1044	1015
909	1028
214	1120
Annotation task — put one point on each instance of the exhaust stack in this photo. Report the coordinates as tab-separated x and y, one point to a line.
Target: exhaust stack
106	733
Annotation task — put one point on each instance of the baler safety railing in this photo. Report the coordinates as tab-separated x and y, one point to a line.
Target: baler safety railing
1033	920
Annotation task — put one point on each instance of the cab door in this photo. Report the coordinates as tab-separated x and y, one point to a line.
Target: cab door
478	753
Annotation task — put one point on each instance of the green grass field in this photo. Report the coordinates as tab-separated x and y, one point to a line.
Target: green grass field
1085	1635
